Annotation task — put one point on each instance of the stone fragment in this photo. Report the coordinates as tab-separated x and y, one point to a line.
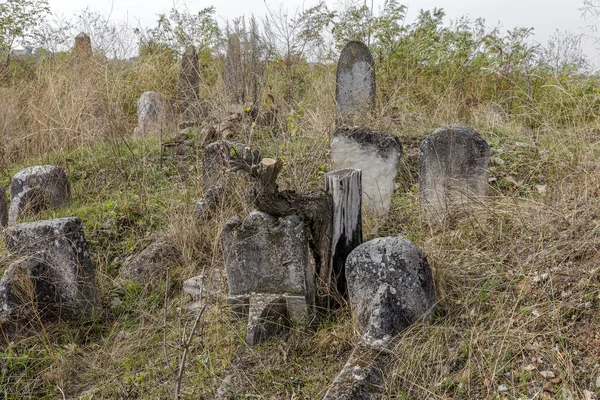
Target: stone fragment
35	188
52	275
390	286
267	317
377	154
355	82
152	115
3	208
151	263
453	171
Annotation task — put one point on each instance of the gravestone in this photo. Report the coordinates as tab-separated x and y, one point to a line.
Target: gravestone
233	78
189	80
269	272
216	163
36	188
355	82
453	171
150	265
51	275
152	115
390	287
377	154
83	47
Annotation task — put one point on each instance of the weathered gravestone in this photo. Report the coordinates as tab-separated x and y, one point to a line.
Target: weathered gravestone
188	102
269	272
150	265
390	287
38	187
152	115
83	47
355	82
51	276
216	165
233	77
377	154
453	171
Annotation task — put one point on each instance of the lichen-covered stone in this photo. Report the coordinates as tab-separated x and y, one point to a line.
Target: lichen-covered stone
355	82
51	179
152	115
267	317
151	263
453	171
390	286
52	274
377	154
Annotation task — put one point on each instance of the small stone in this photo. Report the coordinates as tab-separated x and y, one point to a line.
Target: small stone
497	161
598	382
502	388
547	374
587	395
194	286
541	189
539	278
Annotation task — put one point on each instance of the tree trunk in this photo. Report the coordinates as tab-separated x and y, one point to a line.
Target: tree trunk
345	188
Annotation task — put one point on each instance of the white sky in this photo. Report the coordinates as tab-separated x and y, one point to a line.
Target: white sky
544	15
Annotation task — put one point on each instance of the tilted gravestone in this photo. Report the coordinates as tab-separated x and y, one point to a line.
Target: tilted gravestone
233	78
38	187
390	287
355	82
152	115
51	275
216	165
377	154
269	272
453	171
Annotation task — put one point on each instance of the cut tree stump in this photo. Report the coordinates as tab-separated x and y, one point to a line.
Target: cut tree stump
345	188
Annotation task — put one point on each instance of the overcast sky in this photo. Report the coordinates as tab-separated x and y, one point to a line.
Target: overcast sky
546	16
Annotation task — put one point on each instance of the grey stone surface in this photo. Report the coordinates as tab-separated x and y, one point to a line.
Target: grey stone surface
377	154
355	82
83	47
38	187
453	170
216	163
269	273
267	317
29	201
234	87
390	286
189	80
152	115
265	255
3	208
52	274
151	263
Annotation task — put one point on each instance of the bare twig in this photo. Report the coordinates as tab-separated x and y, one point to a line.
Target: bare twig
186	346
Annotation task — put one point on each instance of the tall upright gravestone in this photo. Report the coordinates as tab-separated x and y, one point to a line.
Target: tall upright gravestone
83	47
355	82
233	78
189	79
453	171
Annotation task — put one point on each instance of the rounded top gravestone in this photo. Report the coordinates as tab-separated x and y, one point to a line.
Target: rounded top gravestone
355	81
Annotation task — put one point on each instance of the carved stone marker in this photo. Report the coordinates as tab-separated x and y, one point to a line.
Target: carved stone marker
453	170
355	82
83	47
52	275
390	286
233	77
265	256
189	80
345	188
377	154
38	187
152	115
